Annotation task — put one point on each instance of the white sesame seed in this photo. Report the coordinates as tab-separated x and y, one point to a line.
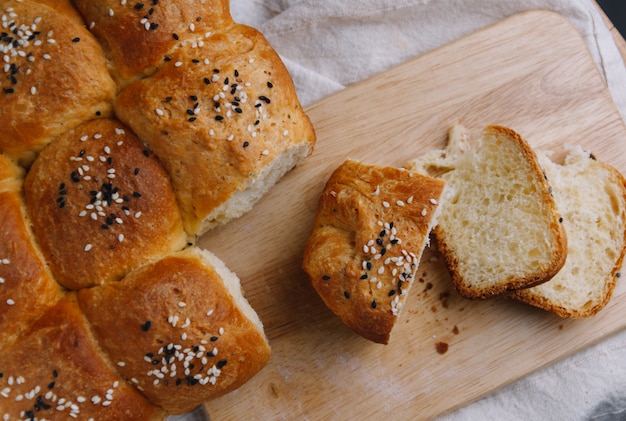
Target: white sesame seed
5	261
178	63
120	238
423	212
1	280
433	201
400	203
87	247
10	302
266	152
409	200
159	112
181	304
33	90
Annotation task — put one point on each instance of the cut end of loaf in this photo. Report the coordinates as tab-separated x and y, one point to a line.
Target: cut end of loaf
243	200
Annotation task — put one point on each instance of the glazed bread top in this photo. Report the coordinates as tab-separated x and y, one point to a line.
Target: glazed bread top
101	205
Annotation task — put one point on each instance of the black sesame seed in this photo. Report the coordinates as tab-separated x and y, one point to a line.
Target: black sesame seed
8	90
178	382
136	194
383	251
346	294
226	82
154	26
192	119
379	241
146	152
238	110
104	226
175	36
77	39
98	113
364	276
55	373
326	277
146	326
382	233
136	171
258	105
167	58
216	70
368	265
617	275
207	80
221	364
374	304
391	293
257	122
168	99
246	144
236	73
219	117
214	338
561	219
394	241
270	85
138	6
51	385
264	98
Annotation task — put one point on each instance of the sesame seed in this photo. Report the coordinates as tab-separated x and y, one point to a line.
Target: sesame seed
88	247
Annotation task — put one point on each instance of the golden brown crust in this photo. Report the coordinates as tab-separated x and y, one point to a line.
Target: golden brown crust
57	79
137	36
101	205
177	308
216	116
26	285
370	229
58	370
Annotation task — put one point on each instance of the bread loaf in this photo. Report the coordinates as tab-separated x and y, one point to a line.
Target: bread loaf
591	196
179	329
499	228
109	209
101	205
371	226
26	285
224	119
55	76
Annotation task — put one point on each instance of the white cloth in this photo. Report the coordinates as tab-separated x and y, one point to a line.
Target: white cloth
329	44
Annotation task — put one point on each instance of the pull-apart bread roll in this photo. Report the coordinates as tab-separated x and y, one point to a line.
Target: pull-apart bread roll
370	230
137	36
591	196
224	119
179	329
55	370
54	76
101	205
499	227
26	285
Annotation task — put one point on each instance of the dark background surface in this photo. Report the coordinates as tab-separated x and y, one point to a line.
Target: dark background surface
616	11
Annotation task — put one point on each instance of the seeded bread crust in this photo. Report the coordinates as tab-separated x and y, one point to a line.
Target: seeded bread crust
58	79
26	285
370	229
138	36
591	195
177	330
57	363
97	193
229	111
496	187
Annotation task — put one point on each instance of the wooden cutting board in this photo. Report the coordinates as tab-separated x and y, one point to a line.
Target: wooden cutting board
530	72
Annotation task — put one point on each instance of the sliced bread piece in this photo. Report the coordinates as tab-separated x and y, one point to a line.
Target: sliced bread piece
591	196
371	227
499	228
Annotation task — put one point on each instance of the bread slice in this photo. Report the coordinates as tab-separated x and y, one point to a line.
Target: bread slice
371	227
591	196
499	228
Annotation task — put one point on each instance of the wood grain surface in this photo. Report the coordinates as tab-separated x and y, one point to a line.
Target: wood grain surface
530	72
